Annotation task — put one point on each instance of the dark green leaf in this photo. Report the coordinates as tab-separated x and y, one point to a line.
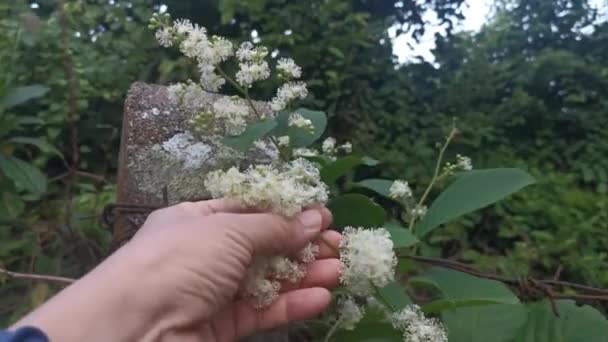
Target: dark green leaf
26	176
496	323
372	328
356	210
401	236
11	205
19	95
300	137
41	144
574	324
254	132
332	172
394	293
460	289
380	186
471	191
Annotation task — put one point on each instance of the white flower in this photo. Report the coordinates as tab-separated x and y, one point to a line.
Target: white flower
283	141
263	290
367	259
164	37
182	26
248	52
195	43
416	327
210	81
305	152
188	93
464	163
329	146
347	147
232	112
350	313
419	211
400	189
285	189
297	120
309	253
289	68
282	268
252	72
287	93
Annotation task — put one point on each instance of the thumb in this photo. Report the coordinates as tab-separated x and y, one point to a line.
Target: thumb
269	234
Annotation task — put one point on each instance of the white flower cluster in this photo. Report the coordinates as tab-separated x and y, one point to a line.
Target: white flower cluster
305	152
263	280
367	259
400	189
418	211
283	190
194	43
416	327
252	66
463	163
289	69
288	93
297	120
350	313
232	112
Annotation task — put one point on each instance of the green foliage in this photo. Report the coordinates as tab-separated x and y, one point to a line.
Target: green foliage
356	210
253	132
479	187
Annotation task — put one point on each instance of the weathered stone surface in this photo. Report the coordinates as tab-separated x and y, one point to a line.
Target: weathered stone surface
159	155
159	149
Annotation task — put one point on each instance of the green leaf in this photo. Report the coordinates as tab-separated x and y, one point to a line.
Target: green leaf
380	186
301	137
496	323
574	324
333	171
401	236
394	293
19	95
25	176
460	289
336	52
41	144
471	191
372	328
356	210
11	205
254	132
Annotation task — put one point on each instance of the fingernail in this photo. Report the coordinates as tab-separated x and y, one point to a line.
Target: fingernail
311	220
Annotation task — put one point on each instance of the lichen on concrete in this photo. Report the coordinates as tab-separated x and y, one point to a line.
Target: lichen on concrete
162	152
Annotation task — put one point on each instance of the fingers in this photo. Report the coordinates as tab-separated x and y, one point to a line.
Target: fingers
271	234
321	273
328	242
292	306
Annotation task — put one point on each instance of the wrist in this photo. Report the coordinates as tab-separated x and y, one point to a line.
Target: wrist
108	304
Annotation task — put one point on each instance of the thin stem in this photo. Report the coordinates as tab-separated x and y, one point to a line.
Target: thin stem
32	276
245	93
332	330
436	175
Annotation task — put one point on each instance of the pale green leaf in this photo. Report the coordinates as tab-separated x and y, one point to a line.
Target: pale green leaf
471	191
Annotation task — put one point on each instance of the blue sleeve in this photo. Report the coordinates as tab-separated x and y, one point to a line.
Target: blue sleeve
25	334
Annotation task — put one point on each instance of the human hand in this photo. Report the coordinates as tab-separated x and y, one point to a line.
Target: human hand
178	277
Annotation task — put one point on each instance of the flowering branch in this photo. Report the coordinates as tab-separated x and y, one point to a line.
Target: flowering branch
527	287
436	175
39	277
